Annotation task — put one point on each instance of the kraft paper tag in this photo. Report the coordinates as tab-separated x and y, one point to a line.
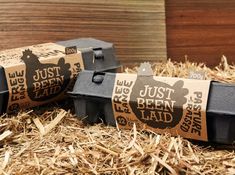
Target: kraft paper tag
161	104
38	74
198	75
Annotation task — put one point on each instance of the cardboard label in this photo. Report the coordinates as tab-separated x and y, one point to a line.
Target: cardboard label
38	74
161	104
199	75
71	50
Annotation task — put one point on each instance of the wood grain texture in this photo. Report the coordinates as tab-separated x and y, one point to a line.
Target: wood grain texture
136	27
203	30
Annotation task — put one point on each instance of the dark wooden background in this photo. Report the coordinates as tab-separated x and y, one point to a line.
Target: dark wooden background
203	30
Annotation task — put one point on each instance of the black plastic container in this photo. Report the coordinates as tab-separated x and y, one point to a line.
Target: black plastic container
3	91
93	101
96	55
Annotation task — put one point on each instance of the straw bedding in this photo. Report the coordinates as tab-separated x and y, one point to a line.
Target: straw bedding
51	140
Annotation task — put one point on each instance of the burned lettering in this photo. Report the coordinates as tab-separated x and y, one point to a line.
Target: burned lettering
155	102
45	80
120	98
18	88
193	119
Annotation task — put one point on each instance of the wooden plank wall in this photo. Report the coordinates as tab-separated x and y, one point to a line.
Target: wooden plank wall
136	27
202	29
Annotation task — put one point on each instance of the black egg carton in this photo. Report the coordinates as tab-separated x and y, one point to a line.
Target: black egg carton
97	55
92	96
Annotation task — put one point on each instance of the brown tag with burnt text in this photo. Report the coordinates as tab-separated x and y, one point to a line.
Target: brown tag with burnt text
38	74
199	75
161	104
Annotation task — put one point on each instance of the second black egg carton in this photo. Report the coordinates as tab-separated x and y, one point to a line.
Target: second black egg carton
92	95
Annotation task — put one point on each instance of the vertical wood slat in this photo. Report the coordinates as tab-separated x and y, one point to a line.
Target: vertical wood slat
204	30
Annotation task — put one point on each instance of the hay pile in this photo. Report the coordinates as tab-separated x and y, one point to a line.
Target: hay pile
54	141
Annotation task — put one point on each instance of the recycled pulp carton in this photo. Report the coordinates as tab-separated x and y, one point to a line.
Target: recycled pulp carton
195	109
38	74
